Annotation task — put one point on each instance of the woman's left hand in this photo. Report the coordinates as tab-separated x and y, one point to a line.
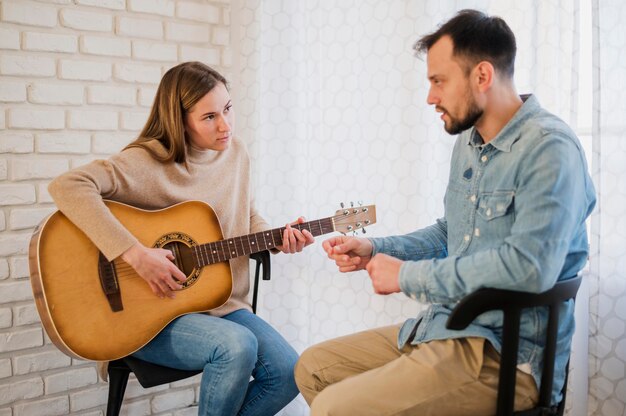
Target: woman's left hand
295	240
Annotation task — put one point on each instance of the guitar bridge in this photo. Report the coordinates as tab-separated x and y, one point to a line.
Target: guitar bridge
108	281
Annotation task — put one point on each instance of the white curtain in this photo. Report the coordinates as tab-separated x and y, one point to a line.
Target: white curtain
607	345
332	102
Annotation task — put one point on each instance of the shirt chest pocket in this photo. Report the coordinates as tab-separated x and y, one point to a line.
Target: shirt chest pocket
494	205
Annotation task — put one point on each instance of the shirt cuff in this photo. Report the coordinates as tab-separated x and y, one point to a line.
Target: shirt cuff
412	280
377	245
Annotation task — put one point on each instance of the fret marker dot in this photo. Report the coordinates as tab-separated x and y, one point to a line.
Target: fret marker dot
253	243
214	252
233	252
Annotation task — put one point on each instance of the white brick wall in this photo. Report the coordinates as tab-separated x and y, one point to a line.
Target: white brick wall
153	51
19	267
27	218
12	92
84	70
77	80
11	391
137	73
4	265
50	42
46	407
27	65
63	142
30	118
25	315
61	94
86	20
28	13
41	361
140	28
6	318
9	39
105	94
16	142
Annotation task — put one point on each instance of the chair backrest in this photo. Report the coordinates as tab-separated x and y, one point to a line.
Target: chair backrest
512	303
150	375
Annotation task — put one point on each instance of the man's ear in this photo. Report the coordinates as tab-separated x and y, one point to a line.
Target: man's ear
484	74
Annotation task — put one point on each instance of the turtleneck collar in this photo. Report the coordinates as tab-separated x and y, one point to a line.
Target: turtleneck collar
199	155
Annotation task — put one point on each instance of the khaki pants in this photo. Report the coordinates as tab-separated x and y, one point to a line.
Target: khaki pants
365	374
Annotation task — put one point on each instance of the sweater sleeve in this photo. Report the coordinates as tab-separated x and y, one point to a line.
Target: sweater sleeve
79	195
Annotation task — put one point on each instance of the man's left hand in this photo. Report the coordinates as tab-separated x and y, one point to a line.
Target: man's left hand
384	271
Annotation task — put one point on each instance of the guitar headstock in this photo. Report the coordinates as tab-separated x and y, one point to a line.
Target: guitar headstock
351	219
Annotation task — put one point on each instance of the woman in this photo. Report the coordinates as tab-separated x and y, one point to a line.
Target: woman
186	151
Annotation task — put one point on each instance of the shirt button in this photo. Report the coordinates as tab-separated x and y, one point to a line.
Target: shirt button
413	296
473	198
484	158
466	237
488	212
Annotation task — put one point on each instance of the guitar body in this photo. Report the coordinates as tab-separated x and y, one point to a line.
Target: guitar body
69	296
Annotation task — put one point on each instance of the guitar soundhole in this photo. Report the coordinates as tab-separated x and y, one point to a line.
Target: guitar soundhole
180	245
183	257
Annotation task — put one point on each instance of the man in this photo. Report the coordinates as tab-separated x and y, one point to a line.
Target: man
515	209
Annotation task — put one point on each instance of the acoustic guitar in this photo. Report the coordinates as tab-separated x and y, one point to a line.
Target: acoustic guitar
101	310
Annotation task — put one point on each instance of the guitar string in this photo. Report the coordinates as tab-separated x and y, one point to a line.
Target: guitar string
124	270
123	267
239	246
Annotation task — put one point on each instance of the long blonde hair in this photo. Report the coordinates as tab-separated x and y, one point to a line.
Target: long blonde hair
179	90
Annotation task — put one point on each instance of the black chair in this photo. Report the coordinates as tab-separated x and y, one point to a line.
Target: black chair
150	375
512	303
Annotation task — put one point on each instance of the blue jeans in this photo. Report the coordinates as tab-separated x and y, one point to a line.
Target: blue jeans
229	350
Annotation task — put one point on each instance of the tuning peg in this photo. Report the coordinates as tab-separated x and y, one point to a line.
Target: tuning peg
341	204
364	231
359	202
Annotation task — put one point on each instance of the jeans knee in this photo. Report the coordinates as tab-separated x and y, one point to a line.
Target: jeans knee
285	363
239	347
285	373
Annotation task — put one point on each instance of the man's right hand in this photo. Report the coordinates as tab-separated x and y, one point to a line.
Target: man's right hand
349	253
155	266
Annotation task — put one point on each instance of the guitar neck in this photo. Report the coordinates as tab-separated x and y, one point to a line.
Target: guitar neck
223	250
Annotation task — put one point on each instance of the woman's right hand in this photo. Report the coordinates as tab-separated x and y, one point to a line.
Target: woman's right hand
155	266
349	253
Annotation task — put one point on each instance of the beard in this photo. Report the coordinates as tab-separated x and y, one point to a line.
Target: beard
472	115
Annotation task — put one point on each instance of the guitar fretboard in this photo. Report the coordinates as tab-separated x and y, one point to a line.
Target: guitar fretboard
223	250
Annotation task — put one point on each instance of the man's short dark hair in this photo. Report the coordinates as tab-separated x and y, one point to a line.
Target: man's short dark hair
476	37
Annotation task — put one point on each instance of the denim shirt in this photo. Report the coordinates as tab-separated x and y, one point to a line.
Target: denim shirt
515	212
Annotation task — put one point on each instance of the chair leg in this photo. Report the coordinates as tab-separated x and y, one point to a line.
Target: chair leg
118	379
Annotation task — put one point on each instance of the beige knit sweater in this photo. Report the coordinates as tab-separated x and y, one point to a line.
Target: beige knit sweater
221	179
